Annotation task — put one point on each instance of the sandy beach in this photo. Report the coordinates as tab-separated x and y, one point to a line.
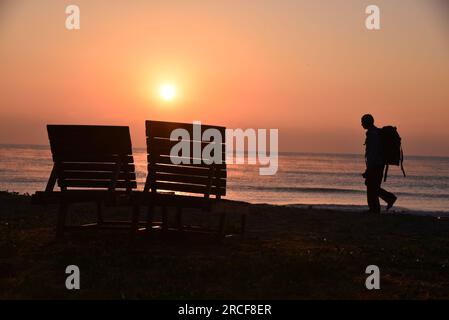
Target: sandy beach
286	253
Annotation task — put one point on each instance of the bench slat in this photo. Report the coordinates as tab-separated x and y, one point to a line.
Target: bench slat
96	175
164	129
80	183
161	177
91	158
84	139
168	160
87	166
189	188
164	146
188	170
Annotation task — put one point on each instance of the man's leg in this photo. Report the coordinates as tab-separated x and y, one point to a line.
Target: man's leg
386	196
372	189
373	199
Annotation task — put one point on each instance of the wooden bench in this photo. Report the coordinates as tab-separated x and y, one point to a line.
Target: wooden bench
193	185
91	163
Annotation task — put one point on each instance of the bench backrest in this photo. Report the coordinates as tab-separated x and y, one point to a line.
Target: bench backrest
91	157
196	178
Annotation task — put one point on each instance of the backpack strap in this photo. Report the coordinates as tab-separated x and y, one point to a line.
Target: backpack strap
386	172
402	162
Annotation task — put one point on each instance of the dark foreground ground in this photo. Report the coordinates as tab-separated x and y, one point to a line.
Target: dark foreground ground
287	253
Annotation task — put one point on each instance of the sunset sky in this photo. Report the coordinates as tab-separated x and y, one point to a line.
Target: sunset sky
308	68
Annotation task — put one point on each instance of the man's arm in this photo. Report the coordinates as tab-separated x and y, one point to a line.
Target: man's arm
373	151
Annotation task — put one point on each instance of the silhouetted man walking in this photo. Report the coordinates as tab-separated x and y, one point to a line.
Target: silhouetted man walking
375	165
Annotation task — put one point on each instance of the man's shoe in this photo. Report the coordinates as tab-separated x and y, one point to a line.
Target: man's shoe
391	203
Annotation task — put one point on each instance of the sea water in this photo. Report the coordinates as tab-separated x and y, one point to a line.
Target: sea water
326	180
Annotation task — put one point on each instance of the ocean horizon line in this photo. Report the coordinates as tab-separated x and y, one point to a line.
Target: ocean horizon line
410	156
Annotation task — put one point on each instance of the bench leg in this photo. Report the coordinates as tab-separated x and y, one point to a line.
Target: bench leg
164	219
135	219
179	219
100	213
150	214
243	224
222	223
62	215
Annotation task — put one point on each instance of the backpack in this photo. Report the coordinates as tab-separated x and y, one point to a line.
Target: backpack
392	149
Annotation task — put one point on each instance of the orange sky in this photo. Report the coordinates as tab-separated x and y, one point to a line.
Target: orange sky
309	68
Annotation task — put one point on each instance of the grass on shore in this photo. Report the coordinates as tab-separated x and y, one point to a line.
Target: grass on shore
288	253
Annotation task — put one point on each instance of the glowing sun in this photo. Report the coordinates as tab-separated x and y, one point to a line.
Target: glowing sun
167	92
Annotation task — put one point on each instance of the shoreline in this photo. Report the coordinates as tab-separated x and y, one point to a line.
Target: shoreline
353	208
